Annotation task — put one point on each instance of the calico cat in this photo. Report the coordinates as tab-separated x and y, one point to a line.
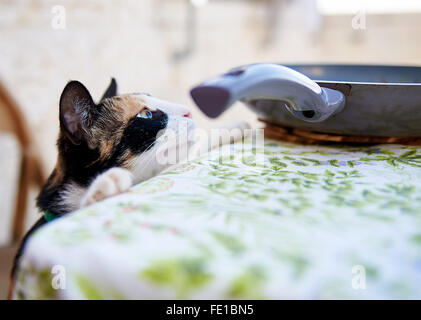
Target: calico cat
105	148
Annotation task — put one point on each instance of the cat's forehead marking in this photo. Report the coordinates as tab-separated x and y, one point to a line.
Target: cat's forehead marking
129	105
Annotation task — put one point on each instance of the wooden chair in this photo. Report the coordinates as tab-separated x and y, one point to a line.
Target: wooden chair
31	170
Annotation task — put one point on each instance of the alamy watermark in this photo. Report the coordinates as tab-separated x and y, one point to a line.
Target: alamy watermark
359	279
178	145
58	21
358	21
58	278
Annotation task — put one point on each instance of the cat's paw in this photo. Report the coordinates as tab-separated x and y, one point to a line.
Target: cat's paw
107	184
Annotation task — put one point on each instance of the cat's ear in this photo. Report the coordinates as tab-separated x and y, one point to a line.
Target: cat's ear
77	111
111	90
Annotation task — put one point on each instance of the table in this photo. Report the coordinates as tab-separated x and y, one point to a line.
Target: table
313	222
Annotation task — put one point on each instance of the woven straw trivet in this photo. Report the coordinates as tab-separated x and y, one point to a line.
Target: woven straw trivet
278	132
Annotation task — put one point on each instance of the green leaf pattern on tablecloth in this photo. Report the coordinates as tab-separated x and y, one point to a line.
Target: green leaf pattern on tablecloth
226	226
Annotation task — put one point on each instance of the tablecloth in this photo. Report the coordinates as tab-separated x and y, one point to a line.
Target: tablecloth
312	222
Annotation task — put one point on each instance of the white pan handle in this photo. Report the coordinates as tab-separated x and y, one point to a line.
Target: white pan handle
304	98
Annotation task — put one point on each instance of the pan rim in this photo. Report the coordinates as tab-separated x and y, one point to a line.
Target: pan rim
298	66
415	84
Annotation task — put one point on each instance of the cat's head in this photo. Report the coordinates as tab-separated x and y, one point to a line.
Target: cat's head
129	130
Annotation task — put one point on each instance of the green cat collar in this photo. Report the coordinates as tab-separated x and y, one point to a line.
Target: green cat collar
49	216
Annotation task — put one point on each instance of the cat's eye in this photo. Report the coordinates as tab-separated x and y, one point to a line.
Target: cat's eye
145	114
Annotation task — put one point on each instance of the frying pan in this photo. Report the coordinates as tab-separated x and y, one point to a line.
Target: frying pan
340	99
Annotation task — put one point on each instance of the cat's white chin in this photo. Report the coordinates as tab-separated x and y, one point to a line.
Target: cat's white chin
154	161
172	147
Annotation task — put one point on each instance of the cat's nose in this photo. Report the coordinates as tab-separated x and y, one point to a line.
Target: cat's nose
187	114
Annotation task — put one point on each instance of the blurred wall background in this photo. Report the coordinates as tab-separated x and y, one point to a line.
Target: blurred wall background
164	47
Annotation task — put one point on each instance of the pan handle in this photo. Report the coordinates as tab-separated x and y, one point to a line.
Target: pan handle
303	97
